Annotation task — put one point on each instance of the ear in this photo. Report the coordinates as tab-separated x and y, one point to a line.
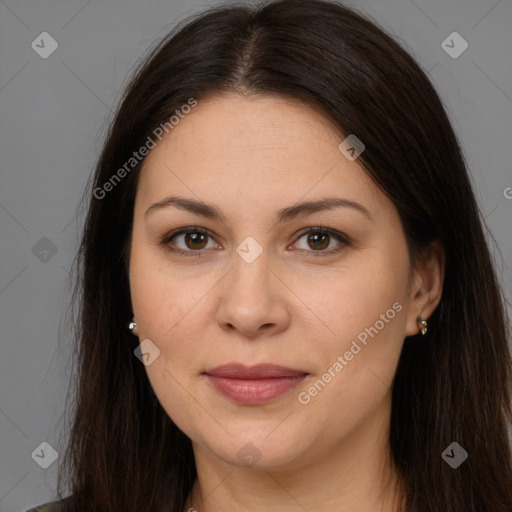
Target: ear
426	288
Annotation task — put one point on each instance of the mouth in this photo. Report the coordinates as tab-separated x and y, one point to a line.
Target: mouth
254	385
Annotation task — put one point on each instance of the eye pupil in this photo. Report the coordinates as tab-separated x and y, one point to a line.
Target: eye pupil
315	236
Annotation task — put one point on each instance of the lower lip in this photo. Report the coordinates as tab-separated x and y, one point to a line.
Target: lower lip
254	391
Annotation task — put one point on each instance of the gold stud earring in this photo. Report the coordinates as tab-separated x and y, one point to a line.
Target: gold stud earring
422	324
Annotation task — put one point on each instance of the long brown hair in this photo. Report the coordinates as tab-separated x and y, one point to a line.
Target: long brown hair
454	385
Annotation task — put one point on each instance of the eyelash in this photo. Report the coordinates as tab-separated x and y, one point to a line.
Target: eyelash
313	230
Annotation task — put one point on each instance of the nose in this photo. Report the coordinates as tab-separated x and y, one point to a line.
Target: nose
254	299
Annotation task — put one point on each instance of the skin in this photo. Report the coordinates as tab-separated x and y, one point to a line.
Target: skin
250	157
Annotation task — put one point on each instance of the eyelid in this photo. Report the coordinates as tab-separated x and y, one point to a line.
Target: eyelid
317	228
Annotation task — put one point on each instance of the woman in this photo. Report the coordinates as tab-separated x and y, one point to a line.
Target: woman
283	218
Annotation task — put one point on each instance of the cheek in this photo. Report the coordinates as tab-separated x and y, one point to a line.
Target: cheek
159	295
355	366
163	303
355	299
363	316
170	307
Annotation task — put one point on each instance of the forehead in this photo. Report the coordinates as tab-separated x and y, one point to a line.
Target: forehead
259	148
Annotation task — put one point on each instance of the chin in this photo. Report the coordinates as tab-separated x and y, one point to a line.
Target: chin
263	449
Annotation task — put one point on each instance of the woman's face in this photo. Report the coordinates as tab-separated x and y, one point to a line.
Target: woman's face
260	288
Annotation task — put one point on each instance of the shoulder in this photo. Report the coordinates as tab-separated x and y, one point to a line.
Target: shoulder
54	506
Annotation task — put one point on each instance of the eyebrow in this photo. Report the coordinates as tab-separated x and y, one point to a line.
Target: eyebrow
283	215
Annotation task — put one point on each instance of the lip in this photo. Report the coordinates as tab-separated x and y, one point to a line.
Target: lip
253	385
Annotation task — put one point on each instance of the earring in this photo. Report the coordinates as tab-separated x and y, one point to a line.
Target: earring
422	324
133	327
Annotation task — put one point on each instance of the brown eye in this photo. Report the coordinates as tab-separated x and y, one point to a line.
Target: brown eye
189	241
195	240
318	240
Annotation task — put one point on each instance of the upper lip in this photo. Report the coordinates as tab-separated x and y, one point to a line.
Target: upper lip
259	371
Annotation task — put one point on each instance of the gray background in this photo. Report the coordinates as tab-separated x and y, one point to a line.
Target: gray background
52	122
